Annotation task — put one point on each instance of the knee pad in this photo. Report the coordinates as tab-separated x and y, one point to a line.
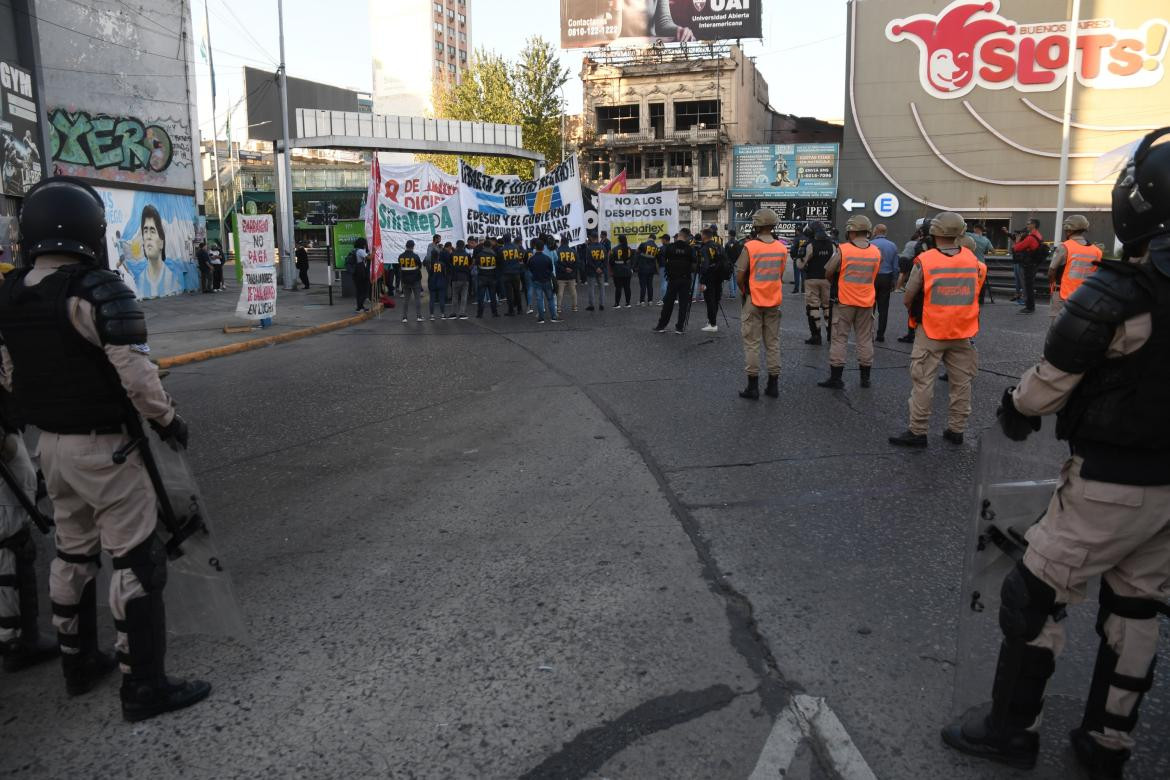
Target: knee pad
148	561
1026	603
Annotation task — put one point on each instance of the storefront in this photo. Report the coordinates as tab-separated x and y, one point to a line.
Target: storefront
21	147
958	106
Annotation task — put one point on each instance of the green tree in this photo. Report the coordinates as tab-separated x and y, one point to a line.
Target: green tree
525	93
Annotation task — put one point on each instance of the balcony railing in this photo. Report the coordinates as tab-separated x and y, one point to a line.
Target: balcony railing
695	134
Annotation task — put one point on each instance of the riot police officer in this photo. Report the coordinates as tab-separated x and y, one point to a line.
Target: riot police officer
818	250
1105	371
75	337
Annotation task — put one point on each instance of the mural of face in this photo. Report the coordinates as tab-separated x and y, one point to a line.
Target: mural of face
152	245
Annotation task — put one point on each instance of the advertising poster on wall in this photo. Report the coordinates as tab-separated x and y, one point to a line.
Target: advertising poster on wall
150	238
20	152
416	202
128	149
639	215
588	23
257	256
784	171
494	205
794	214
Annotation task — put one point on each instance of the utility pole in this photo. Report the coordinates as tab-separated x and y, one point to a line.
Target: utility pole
284	187
1062	186
214	128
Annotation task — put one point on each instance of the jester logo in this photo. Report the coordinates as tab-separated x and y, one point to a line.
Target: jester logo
947	43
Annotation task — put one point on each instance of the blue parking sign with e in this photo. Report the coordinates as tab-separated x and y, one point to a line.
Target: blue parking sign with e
886	204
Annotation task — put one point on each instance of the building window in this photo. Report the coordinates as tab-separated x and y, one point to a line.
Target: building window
655	168
617	119
439	46
462	19
684	216
462	37
463	55
438	28
451	31
632	163
451	14
708	161
450	51
598	163
696	113
439	8
658	119
451	66
679	162
439	64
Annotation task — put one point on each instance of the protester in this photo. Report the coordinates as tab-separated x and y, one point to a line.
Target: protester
681	263
887	275
204	261
303	264
357	265
411	269
215	255
541	266
647	264
438	276
621	263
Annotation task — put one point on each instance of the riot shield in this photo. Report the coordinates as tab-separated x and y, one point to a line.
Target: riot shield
1014	484
199	594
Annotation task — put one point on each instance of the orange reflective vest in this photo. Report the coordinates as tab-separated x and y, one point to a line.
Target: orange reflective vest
950	287
766	262
859	269
1078	266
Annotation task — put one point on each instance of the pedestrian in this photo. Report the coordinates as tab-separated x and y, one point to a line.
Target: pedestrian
797	273
818	305
203	260
605	242
1104	374
621	262
486	268
760	268
646	261
1031	252
982	247
887	276
1073	261
303	264
855	265
943	295
542	267
681	262
460	279
75	338
434	249
526	272
732	248
713	269
566	271
921	242
410	268
394	278
438	275
595	273
663	242
215	257
357	264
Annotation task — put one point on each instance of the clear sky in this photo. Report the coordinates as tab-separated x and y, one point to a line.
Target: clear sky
802	54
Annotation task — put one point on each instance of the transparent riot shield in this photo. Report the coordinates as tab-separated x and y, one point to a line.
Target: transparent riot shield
1014	484
199	594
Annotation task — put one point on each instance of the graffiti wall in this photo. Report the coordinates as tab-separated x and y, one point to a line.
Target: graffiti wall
126	149
150	240
117	89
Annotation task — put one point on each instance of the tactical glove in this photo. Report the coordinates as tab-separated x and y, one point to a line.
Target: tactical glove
174	433
1017	425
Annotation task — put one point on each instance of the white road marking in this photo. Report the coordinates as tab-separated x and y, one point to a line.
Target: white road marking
809	717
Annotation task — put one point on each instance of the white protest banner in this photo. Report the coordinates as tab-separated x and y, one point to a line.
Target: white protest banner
416	202
639	215
257	258
498	205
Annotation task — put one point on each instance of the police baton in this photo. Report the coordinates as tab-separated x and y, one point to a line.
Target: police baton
43	524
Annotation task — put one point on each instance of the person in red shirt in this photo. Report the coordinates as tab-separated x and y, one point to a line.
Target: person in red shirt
1029	251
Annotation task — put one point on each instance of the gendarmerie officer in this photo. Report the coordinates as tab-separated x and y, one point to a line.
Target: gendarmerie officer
74	337
1105	374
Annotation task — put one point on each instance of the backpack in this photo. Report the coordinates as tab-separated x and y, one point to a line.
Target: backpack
351	261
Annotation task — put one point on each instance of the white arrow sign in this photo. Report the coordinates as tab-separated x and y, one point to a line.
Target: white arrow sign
851	204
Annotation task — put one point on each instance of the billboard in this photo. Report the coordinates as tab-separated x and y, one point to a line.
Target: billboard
959	105
784	171
794	214
20	149
588	23
263	102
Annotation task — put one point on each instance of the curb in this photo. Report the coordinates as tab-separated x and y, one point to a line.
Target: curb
244	346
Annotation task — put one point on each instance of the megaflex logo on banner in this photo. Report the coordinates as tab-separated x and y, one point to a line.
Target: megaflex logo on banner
970	45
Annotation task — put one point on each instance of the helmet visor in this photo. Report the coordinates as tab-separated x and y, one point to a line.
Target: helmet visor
1111	163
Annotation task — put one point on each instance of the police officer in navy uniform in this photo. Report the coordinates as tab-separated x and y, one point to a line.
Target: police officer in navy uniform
1105	374
75	338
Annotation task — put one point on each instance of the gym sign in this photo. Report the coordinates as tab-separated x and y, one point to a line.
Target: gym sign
971	45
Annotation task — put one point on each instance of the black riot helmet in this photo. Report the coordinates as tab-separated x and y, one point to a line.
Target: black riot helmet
63	215
1141	196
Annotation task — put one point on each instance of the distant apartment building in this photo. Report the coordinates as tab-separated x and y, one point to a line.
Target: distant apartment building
405	33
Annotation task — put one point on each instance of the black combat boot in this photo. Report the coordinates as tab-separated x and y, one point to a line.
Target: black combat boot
146	690
952	436
815	331
773	388
88	665
865	375
909	439
752	391
1102	763
834	381
29	648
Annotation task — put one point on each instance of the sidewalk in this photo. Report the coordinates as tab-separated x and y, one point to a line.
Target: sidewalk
183	324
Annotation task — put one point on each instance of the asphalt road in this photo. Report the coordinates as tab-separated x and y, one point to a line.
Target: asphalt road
500	549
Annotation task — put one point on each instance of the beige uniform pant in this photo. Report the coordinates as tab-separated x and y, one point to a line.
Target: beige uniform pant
13	520
816	300
1121	532
1055	305
97	505
859	320
961	360
756	325
566	289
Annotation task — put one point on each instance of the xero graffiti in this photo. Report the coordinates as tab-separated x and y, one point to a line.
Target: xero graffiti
101	142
